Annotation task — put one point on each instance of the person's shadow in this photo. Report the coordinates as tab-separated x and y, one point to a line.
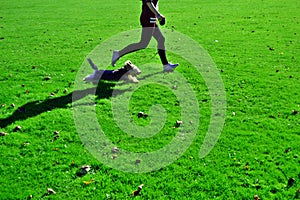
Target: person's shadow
103	90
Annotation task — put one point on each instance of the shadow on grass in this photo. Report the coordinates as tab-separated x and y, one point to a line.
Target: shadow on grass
104	90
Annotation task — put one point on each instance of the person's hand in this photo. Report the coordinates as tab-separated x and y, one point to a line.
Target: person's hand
162	20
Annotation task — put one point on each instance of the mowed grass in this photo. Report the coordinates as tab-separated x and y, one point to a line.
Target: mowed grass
256	47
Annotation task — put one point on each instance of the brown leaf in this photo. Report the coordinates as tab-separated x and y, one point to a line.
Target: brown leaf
295	112
51	191
256	197
56	135
17	128
85	169
142	114
88	182
47	78
138	161
115	150
137	192
3	134
56	132
26	144
178	123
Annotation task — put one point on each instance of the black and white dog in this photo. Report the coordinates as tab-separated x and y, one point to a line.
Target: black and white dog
127	73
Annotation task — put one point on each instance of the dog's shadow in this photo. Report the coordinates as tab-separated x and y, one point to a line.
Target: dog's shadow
103	90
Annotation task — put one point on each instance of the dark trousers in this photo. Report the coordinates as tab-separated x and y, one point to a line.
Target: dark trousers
147	33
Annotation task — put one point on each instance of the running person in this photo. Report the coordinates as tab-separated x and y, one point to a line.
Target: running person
148	21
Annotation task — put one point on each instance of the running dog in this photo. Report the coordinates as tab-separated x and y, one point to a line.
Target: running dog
127	73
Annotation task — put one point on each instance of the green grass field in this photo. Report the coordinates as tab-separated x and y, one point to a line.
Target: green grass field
255	46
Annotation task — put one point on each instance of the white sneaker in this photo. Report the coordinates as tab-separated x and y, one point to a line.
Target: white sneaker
115	57
170	67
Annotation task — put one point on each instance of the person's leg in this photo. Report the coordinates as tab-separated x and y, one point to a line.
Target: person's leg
160	45
142	44
168	67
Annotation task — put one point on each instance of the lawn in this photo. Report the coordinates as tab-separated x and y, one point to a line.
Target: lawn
48	113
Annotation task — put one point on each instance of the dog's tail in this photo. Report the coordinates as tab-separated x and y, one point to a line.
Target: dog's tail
92	64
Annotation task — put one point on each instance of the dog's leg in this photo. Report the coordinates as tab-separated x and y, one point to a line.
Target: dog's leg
132	79
92	64
135	80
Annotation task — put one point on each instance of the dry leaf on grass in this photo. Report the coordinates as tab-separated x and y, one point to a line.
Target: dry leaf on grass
115	150
51	191
142	114
17	128
178	123
137	192
295	112
138	161
88	182
3	134
85	169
